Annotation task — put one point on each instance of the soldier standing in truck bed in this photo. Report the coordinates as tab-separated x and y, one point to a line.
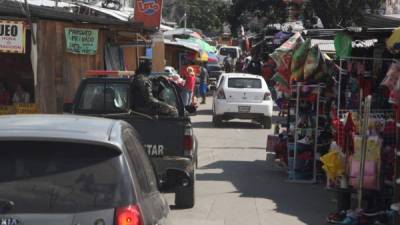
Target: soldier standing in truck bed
142	98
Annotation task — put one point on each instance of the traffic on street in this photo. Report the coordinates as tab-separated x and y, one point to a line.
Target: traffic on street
199	112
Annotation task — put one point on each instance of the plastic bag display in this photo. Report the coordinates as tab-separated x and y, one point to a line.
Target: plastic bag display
312	62
333	164
343	45
298	60
283	55
392	76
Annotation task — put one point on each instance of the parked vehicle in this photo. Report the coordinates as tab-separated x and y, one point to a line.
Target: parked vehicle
168	141
214	71
59	169
234	52
242	96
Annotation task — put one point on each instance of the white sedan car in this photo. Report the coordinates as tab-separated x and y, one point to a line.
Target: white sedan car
242	96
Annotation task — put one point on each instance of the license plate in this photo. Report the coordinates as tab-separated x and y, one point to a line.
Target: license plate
244	109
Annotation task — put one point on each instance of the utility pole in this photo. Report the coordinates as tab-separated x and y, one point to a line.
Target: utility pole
185	19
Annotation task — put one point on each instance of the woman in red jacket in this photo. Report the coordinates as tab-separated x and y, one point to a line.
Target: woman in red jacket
188	88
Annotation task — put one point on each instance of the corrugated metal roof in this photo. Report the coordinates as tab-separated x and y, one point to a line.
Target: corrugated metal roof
378	21
182	44
45	9
328	45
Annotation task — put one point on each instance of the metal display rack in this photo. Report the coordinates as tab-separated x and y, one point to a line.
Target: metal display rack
292	171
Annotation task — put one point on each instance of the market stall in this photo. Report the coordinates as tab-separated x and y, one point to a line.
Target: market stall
341	123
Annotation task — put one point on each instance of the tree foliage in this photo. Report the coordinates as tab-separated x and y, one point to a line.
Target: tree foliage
207	15
333	13
343	13
254	13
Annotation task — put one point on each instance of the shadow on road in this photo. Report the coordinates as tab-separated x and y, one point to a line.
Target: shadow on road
236	125
204	112
309	203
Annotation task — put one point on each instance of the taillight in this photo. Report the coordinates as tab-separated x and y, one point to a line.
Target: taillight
188	142
129	215
267	96
221	94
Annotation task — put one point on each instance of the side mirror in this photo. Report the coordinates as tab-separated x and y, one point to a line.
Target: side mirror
67	107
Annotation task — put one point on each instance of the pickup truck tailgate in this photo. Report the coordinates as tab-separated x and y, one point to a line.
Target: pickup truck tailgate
161	137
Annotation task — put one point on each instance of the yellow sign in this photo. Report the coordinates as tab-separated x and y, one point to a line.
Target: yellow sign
29	108
7	109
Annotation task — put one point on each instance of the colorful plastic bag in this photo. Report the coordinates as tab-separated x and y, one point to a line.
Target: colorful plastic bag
392	76
283	55
343	45
312	62
298	59
333	164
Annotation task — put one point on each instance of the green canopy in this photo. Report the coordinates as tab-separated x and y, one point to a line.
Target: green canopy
202	44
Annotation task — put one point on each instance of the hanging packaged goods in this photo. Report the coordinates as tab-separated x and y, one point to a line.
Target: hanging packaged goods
298	60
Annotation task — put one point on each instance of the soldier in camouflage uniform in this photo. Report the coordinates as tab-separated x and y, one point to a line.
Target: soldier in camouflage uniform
142	98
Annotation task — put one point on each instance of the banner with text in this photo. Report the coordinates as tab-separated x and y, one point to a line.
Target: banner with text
12	36
81	41
148	12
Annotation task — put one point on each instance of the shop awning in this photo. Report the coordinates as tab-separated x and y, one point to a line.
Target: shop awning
181	44
378	21
356	32
200	43
45	9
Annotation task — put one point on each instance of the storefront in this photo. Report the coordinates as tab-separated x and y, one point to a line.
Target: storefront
341	124
44	60
17	92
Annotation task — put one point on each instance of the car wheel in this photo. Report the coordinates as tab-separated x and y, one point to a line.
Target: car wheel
217	121
185	197
267	123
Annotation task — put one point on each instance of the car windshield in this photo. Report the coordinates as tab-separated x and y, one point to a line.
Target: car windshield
228	51
61	177
101	97
244	83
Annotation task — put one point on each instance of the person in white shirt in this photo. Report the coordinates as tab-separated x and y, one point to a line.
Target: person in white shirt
20	95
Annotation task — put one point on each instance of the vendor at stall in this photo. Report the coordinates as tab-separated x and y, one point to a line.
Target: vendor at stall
20	95
5	96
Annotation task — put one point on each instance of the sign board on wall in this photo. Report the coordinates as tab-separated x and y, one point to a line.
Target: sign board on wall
81	41
12	36
148	12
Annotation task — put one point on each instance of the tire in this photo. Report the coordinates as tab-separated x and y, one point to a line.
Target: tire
217	121
267	123
185	197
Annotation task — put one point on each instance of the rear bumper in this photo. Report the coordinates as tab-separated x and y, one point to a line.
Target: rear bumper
231	109
171	184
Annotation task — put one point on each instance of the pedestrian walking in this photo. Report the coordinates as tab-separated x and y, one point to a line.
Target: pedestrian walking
203	83
188	88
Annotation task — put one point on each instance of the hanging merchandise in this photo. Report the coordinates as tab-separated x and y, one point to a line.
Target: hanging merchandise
298	59
333	164
343	45
312	62
393	43
283	55
392	76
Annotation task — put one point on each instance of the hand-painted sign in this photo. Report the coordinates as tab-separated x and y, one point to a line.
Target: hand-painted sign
148	12
81	41
12	36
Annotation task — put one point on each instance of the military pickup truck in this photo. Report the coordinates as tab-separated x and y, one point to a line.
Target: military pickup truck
169	141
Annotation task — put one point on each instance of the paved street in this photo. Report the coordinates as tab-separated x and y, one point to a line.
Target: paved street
236	186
